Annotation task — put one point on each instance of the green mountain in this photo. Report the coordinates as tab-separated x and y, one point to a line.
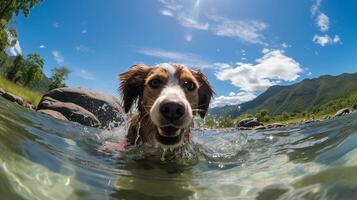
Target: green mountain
297	98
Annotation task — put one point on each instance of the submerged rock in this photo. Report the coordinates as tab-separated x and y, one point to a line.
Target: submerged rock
87	107
342	112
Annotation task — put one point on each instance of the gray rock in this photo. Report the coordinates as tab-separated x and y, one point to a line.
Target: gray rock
105	108
53	114
249	122
275	125
13	98
28	105
342	112
71	111
2	92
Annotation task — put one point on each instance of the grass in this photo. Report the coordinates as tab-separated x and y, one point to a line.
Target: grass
25	93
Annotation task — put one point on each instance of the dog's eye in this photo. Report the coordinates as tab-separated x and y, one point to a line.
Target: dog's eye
189	85
155	83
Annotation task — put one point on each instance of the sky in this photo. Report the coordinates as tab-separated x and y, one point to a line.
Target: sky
243	46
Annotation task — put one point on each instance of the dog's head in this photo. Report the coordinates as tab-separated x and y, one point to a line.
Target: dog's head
170	94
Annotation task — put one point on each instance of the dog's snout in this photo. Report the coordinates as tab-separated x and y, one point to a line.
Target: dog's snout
172	110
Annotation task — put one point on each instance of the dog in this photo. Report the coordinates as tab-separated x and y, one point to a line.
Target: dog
167	98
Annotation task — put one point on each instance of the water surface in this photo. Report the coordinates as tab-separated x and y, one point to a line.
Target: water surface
44	158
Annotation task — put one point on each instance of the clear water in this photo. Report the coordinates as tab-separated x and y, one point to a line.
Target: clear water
43	158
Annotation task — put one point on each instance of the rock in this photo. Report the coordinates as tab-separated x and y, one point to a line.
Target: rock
2	92
53	114
342	112
276	125
261	127
13	98
106	109
249	122
71	111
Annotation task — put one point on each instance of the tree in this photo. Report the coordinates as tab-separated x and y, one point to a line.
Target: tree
59	75
7	9
32	70
262	115
13	71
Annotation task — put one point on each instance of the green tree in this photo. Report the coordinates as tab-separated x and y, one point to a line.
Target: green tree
7	9
262	115
59	75
32	69
13	71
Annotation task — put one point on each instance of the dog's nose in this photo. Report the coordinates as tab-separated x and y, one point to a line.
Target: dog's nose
172	110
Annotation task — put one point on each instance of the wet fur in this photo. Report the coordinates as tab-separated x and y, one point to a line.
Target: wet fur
134	89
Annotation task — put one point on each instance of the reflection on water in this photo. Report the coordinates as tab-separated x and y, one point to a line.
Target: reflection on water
42	158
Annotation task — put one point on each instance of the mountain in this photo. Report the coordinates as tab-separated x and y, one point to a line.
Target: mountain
296	98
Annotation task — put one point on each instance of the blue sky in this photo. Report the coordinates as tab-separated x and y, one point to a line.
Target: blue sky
244	46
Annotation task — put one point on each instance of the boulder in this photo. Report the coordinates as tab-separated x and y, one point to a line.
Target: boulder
13	98
106	109
249	122
342	112
53	114
71	111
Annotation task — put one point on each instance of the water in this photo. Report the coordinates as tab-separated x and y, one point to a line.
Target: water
43	158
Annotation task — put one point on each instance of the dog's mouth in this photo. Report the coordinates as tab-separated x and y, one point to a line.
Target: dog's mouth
169	135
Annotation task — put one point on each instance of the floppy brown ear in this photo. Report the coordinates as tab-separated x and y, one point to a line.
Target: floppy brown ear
132	84
205	92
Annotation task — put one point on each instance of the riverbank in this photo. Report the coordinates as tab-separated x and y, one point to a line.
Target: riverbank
31	96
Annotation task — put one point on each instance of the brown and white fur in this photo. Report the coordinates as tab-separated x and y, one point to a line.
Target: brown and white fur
167	97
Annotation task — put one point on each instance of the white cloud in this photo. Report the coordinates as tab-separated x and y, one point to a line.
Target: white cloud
324	40
192	23
85	74
336	39
55	25
222	65
172	5
269	70
323	22
190	59
265	50
232	99
42	46
58	57
14	50
188	38
285	45
187	15
84	31
167	12
82	48
246	30
316	7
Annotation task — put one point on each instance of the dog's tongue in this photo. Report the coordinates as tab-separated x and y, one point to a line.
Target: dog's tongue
168	131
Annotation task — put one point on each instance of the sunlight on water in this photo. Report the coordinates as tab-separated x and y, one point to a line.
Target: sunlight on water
43	158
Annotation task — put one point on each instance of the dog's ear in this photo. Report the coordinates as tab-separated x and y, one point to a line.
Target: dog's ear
205	92
132	84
